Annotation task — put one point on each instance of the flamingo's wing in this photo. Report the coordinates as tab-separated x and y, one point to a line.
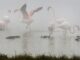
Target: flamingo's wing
36	10
23	8
23	11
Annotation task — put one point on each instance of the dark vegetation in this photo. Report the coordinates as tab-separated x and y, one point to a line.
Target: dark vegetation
27	57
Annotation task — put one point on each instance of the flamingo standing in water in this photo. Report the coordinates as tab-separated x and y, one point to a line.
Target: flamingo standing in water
51	26
27	16
27	19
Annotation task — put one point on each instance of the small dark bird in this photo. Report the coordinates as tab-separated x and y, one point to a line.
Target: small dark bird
12	37
26	14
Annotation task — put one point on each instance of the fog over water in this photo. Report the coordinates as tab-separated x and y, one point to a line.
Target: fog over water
32	41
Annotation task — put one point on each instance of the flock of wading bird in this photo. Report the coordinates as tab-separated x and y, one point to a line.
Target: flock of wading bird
27	19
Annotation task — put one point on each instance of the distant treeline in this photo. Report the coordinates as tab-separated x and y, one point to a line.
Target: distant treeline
43	57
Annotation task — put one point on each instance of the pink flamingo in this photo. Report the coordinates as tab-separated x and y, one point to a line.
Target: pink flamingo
27	16
4	23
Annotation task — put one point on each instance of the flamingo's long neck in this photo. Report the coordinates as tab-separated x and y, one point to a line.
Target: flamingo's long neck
29	15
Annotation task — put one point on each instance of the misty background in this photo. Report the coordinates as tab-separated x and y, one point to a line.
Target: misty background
69	9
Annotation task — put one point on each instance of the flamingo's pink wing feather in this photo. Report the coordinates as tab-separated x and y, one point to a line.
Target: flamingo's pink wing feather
36	10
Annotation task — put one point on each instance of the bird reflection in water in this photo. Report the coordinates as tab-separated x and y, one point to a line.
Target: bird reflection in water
26	36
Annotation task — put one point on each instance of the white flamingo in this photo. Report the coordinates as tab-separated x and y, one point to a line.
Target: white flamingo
52	23
66	27
4	22
59	23
27	16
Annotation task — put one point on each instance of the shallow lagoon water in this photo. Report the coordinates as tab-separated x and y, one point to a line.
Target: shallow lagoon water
30	42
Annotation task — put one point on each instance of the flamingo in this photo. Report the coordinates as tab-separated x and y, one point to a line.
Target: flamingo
51	26
66	28
4	22
27	19
27	16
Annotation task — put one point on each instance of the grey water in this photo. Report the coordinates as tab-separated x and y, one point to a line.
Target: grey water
31	43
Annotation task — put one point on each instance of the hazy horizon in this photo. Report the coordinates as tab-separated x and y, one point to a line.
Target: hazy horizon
61	8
